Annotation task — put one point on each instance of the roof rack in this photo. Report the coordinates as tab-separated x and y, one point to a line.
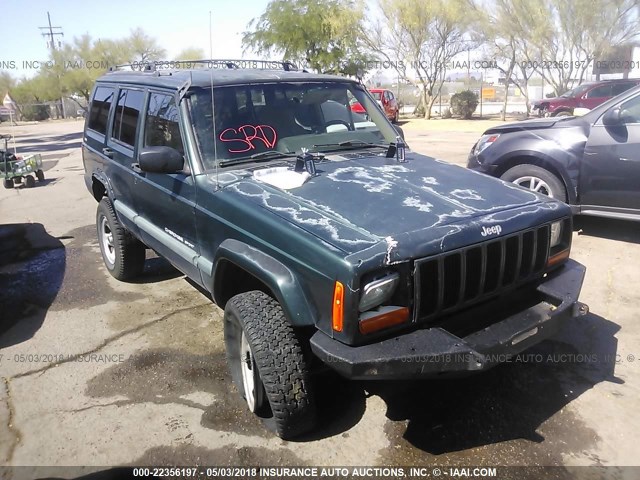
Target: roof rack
157	65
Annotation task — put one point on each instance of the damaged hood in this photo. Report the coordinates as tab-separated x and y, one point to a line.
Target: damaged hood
359	200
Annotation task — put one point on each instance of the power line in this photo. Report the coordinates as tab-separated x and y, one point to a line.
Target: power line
51	33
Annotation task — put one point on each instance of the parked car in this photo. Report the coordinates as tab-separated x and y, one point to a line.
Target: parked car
325	240
386	99
586	96
591	162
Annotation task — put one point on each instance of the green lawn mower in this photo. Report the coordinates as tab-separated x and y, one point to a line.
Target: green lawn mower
13	169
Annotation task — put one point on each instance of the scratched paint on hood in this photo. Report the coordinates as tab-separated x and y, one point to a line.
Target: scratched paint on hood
359	202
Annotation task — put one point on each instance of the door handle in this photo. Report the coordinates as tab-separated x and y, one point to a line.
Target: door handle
107	152
623	159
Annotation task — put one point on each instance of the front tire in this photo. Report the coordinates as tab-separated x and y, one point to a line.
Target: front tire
40	175
7	183
29	181
123	255
267	364
536	179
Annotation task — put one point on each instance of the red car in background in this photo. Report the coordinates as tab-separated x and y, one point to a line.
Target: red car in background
386	99
588	95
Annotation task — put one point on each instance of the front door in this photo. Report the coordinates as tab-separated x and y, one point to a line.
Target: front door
610	169
166	201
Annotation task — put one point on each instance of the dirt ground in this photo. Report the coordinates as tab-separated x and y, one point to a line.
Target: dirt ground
99	372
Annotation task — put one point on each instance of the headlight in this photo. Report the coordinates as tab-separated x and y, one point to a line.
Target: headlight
484	142
378	291
556	234
559	242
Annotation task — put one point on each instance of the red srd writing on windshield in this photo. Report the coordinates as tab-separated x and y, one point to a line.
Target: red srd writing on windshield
246	137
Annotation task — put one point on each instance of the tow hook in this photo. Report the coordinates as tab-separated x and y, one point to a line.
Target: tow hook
580	309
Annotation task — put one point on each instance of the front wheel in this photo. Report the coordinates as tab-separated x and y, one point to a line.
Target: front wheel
536	179
267	364
123	255
29	181
7	183
40	175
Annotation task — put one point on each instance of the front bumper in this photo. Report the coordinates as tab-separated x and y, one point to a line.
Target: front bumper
435	351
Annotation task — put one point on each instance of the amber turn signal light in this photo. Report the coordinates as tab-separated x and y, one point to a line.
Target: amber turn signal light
384	320
558	257
338	307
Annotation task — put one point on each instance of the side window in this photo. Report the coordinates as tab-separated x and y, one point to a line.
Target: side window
161	124
630	110
125	123
99	109
618	88
599	92
391	97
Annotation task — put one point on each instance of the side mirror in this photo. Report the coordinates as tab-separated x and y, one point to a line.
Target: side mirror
612	117
399	130
160	160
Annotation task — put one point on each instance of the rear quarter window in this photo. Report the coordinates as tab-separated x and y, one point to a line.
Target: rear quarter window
99	109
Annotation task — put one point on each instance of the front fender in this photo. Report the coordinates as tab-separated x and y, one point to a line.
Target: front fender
282	282
564	164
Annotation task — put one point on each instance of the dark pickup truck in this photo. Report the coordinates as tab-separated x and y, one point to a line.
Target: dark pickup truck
323	237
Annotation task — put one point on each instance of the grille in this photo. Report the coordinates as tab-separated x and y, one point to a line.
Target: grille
455	279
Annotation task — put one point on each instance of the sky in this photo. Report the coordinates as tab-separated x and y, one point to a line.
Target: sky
175	24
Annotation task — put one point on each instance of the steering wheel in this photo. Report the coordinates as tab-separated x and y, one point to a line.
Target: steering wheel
339	122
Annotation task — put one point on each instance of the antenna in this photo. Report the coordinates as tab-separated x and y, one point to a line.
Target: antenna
213	108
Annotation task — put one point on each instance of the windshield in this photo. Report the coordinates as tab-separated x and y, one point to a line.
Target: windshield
285	118
377	95
575	91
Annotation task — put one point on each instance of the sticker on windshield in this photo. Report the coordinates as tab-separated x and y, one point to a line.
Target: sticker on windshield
244	138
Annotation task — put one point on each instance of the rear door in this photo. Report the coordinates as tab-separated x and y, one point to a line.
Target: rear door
121	148
610	169
166	201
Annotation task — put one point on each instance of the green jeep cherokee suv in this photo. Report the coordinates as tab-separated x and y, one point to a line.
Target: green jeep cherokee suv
320	234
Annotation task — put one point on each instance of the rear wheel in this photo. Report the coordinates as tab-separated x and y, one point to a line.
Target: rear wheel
40	175
17	180
7	183
29	181
267	364
563	114
536	179
123	255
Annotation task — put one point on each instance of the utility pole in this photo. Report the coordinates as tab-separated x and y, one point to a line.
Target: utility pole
48	31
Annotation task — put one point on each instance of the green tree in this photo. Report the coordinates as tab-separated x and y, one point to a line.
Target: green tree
191	53
7	82
505	38
144	48
320	34
421	38
32	94
575	33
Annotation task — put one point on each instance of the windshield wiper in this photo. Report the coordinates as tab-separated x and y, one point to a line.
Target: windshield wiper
389	147
353	143
268	155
